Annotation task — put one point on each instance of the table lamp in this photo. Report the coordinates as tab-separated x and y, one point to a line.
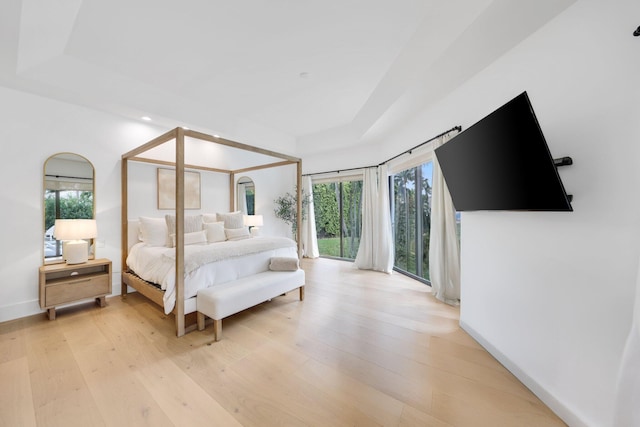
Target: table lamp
72	232
254	222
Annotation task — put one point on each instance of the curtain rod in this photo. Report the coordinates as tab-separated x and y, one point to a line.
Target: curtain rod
70	177
458	128
339	171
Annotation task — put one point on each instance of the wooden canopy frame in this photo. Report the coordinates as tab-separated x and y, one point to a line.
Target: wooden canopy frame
179	134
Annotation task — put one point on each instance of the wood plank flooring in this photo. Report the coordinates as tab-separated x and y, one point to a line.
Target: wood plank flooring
362	349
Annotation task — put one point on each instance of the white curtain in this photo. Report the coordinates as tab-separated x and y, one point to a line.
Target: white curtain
309	236
627	405
444	250
242	198
376	241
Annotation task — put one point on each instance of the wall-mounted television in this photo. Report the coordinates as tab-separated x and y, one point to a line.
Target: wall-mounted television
503	163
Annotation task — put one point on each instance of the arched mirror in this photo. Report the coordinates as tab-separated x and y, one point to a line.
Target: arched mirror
246	196
69	193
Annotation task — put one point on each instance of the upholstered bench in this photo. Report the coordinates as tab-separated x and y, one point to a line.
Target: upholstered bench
220	301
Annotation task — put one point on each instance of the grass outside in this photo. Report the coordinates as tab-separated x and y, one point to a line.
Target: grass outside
329	246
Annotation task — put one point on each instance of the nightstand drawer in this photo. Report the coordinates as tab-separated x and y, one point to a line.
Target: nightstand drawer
77	289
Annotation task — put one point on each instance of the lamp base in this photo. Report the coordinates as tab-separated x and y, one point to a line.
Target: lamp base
255	232
75	251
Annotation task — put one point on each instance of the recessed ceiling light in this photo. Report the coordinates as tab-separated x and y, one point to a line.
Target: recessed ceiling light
146	118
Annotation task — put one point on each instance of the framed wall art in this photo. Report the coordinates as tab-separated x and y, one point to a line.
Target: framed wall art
167	189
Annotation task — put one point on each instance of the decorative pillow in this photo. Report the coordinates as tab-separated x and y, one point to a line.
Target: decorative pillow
237	233
208	218
283	264
215	231
193	238
153	231
192	223
231	219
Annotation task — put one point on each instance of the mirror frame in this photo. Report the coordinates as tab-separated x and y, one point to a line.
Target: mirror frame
60	260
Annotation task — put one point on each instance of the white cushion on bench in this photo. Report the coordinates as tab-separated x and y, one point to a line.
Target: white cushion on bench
229	298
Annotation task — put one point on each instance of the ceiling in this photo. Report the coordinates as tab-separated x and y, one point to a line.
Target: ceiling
321	74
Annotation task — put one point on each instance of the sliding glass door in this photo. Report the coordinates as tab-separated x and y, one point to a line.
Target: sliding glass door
337	208
411	218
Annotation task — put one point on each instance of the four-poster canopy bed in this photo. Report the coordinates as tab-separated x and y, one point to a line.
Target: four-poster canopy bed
182	137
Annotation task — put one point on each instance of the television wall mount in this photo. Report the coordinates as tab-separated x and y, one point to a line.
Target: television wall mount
563	161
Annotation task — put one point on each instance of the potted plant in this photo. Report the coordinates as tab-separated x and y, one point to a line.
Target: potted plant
287	209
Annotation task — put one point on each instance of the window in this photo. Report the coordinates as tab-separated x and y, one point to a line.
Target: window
338	214
338	204
411	219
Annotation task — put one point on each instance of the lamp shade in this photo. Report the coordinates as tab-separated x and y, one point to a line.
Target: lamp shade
253	220
75	229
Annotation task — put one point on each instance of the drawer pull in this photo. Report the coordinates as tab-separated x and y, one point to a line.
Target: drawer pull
79	281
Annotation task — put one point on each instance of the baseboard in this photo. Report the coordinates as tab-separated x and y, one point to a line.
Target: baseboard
561	410
17	311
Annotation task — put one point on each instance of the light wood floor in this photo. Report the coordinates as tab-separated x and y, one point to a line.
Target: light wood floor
363	349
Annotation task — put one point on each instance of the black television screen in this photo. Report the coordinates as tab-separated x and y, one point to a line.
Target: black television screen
503	163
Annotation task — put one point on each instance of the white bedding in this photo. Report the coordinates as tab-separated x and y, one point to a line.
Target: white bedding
206	265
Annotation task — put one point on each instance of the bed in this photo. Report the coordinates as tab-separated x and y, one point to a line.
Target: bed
173	281
206	262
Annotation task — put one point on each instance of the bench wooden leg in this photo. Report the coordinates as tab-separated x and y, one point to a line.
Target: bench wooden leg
200	319
301	293
217	329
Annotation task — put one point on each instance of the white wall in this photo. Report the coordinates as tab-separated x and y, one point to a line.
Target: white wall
31	129
551	294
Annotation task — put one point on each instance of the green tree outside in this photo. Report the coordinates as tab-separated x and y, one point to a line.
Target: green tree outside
72	205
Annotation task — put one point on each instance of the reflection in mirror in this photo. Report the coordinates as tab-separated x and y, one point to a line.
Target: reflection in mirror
68	194
246	196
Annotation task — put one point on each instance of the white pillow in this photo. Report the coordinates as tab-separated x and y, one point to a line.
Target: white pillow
193	238
153	231
237	233
207	218
215	231
231	219
192	223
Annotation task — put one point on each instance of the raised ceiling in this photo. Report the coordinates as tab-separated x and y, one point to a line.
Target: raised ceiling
322	74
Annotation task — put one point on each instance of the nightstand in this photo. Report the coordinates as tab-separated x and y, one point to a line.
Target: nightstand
63	284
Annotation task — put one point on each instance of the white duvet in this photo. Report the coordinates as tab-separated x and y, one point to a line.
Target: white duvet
206	265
